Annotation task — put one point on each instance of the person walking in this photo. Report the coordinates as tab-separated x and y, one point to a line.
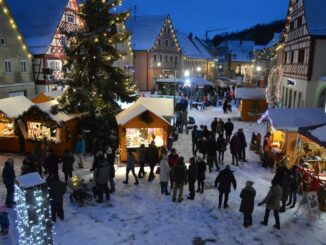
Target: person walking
80	149
295	181
172	161
194	140
228	127
214	125
221	148
67	164
101	176
192	177
201	175
142	160
153	159
220	127
223	181
225	106
243	145
56	191
164	172
211	153
272	201
247	196
235	149
52	163
130	167
202	146
8	176
179	178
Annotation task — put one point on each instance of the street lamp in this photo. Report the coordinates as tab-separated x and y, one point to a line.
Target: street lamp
187	84
159	64
198	69
258	68
187	73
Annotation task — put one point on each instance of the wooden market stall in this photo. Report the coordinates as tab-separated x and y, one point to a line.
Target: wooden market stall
283	124
42	123
11	108
252	103
146	120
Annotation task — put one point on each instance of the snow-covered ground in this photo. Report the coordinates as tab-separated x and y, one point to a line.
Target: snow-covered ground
141	215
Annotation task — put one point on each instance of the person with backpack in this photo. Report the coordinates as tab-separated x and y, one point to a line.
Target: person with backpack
179	177
221	148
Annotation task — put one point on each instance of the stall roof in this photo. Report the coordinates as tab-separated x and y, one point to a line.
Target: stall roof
315	133
161	107
13	107
250	93
30	180
291	119
197	81
59	117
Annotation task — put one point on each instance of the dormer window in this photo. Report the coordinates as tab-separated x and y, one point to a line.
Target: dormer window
70	18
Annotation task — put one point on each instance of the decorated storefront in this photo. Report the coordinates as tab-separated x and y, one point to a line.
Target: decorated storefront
11	139
283	125
252	103
42	123
144	122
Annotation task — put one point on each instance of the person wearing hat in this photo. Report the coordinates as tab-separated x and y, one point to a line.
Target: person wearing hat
247	196
8	176
223	181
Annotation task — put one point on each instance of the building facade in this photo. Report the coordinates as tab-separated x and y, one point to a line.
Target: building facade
304	54
15	58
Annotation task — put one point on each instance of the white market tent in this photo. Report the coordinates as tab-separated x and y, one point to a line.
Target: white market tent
13	107
194	81
250	93
161	107
292	119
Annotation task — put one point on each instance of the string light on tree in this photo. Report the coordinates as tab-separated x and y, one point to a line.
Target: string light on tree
273	91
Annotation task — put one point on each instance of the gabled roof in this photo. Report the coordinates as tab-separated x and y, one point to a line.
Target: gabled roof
202	48
59	117
38	21
145	30
161	107
315	16
13	107
315	133
241	50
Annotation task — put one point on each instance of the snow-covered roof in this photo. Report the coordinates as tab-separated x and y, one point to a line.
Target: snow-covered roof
241	51
37	21
161	107
291	119
30	180
315	16
250	93
202	48
13	107
145	30
187	46
59	117
54	94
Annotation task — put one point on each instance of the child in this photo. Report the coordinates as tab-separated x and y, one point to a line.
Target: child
4	221
247	203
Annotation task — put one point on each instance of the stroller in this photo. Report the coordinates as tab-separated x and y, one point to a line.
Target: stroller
82	191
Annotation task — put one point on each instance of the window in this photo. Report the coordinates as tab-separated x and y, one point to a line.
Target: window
8	66
176	59
285	58
299	21
166	42
159	42
70	18
155	58
169	30
166	58
2	41
290	99
161	58
286	97
55	65
23	66
165	29
295	99
63	40
171	59
292	26
173	43
301	56
283	93
299	100
292	57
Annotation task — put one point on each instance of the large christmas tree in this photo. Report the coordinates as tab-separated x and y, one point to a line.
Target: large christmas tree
94	83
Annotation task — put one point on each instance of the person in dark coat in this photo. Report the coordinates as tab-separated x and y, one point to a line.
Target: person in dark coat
285	184
52	163
173	159
295	181
101	176
214	125
228	127
56	192
202	146
142	160
28	165
201	174
243	145
272	201
67	164
205	132
220	127
192	177
247	196
194	140
221	148
130	167
152	158
8	176
38	157
225	106
223	181
110	157
179	177
211	153
235	148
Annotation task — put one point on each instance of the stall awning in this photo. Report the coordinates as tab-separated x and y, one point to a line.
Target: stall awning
250	93
292	119
13	107
315	133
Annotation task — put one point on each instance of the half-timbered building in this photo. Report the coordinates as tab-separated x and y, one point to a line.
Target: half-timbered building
304	52
41	23
15	58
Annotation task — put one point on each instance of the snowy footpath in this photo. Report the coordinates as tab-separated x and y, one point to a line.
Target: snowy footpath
141	215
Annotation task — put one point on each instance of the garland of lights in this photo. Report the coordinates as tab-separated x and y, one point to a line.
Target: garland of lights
273	91
34	220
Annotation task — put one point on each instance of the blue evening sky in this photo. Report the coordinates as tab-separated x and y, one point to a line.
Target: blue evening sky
197	16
